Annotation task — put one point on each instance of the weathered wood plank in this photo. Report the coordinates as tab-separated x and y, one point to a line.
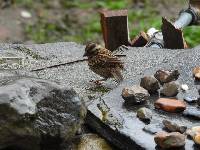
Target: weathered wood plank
115	28
140	40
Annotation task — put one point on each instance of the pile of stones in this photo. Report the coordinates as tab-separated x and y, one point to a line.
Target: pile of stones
164	85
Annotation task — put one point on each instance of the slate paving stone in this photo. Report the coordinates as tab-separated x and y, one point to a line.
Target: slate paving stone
147	62
138	63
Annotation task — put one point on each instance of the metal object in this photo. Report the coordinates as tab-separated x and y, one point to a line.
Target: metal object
190	16
156	40
184	20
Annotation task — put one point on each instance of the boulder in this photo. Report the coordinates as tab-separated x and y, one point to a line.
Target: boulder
36	113
170	140
170	105
170	89
135	95
150	83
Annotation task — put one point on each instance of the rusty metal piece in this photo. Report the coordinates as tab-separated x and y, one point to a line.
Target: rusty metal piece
172	34
140	40
173	37
195	9
115	28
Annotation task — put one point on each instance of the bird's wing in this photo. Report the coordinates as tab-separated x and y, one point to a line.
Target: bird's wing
117	74
115	65
110	61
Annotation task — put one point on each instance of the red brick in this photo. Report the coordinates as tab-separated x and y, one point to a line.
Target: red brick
170	105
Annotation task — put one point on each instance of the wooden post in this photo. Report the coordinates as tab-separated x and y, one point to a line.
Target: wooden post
115	28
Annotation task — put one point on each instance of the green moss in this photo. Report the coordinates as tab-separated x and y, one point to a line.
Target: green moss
100	89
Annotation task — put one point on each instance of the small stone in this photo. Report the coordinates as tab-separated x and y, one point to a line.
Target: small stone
170	89
170	140
25	14
193	130
173	127
198	101
170	105
150	83
144	114
135	95
196	73
190	99
192	112
194	133
165	76
93	142
184	87
153	128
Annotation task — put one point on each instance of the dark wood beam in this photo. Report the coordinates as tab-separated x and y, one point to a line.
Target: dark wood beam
115	28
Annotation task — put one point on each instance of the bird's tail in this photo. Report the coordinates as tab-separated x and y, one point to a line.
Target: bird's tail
117	75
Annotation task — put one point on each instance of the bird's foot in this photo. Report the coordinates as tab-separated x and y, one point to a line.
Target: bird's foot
97	82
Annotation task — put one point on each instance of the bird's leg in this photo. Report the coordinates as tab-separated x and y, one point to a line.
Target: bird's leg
98	82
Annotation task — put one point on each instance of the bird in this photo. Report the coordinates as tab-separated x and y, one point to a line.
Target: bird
102	62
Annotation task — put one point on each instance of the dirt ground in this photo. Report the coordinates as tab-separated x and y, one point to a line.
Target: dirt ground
13	23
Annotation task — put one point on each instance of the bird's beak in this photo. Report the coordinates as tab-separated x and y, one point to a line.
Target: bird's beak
85	54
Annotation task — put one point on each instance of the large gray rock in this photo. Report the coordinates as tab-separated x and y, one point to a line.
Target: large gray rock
36	113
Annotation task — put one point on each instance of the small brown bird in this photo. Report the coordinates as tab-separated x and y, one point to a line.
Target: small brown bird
103	62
